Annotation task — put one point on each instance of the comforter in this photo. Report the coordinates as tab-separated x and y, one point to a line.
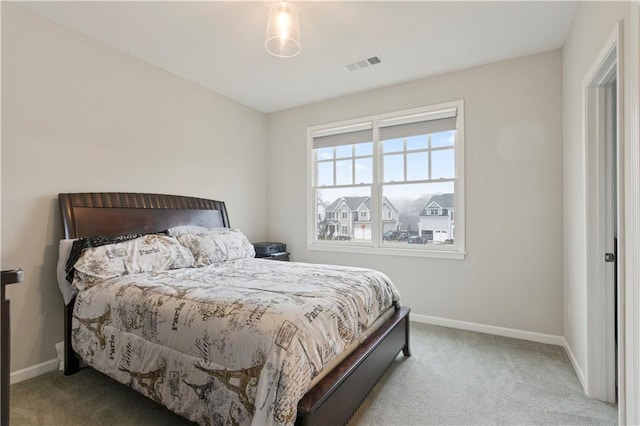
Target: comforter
236	342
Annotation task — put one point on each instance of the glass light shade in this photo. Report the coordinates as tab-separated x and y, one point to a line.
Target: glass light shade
283	31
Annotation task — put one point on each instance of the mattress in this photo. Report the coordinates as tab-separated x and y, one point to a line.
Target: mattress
237	342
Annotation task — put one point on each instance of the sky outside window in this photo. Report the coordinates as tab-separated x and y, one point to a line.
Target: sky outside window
345	157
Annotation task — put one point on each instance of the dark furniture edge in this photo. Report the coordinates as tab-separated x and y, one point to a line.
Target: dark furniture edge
336	397
71	359
10	276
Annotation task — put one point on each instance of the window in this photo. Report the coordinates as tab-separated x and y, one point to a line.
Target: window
401	173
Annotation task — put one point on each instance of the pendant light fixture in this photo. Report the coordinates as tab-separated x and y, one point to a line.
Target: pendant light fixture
283	31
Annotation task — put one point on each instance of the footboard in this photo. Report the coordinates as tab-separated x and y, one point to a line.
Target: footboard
336	397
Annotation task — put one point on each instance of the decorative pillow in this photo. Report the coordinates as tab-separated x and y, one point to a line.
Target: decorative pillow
82	243
217	245
151	252
187	229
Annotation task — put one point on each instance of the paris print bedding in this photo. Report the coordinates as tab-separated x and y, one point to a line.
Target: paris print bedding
232	342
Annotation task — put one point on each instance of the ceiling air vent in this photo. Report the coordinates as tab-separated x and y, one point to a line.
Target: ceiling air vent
359	64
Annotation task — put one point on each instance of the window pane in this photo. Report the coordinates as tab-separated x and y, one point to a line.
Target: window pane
344	173
325	174
324	153
337	203
415	227
392	145
344	151
417	142
364	170
418	166
393	168
443	139
364	149
443	164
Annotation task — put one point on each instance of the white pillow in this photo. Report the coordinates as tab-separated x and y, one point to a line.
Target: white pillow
187	229
68	292
217	245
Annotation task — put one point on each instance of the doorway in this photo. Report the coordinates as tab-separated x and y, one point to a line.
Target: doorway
603	223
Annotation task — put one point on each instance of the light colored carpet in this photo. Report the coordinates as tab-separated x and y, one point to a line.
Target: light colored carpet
458	377
453	378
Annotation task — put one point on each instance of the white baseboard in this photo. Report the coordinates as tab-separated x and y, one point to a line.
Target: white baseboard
34	370
490	329
576	366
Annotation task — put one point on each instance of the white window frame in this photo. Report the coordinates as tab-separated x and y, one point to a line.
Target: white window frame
456	251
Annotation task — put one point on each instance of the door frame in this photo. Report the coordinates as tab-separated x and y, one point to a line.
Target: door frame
601	377
629	389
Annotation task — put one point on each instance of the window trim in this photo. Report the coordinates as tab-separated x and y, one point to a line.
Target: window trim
458	251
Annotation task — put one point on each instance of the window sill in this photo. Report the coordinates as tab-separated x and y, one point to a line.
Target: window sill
434	254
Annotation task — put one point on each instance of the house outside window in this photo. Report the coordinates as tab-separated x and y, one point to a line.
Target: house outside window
384	175
438	227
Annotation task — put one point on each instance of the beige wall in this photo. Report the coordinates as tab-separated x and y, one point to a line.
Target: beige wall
592	26
512	276
80	116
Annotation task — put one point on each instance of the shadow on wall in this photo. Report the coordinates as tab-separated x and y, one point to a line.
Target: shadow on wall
41	292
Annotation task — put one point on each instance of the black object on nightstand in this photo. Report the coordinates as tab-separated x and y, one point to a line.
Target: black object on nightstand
271	250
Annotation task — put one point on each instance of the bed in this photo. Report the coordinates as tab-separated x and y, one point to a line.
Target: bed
333	396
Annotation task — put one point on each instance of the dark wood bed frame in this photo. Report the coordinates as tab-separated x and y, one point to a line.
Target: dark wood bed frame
335	398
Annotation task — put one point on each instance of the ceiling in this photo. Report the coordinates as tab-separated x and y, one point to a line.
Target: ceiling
219	45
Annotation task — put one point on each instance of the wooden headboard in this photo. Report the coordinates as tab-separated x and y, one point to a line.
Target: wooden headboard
91	214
